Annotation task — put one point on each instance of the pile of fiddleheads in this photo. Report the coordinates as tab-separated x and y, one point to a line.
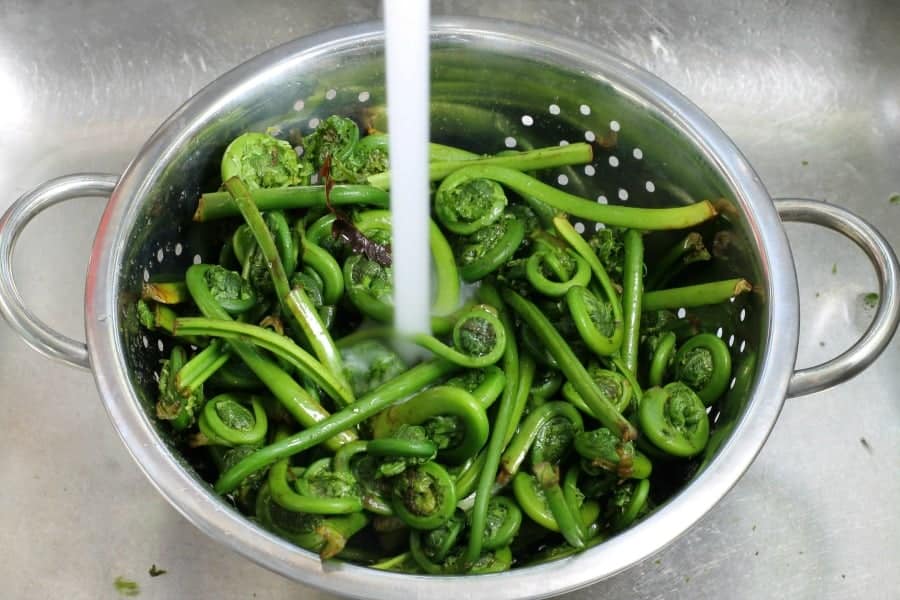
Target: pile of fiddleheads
555	394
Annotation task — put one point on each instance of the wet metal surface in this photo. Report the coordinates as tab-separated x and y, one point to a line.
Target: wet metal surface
810	91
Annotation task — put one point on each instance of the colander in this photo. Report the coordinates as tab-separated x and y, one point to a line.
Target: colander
495	85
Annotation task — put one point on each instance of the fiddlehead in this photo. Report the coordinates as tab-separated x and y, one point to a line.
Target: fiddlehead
369	363
597	322
703	363
179	410
326	536
335	137
231	291
453	419
464	205
226	420
550	427
674	419
423	497
479	339
263	161
553	269
254	266
532	498
316	490
502	523
485	384
488	248
370	287
432	547
628	502
601	449
614	387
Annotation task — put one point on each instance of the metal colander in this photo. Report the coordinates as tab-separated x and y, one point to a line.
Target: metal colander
495	86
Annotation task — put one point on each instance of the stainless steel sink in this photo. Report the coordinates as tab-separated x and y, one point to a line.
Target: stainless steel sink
810	91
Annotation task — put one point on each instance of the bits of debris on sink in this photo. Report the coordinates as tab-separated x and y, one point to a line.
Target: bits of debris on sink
865	444
126	587
870	300
155	571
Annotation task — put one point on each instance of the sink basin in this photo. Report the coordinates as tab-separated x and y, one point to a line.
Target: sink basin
810	92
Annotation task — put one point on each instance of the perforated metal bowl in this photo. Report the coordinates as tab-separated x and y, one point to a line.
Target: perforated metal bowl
494	86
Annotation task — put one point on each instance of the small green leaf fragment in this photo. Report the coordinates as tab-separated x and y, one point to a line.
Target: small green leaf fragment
834	269
894	199
126	587
870	300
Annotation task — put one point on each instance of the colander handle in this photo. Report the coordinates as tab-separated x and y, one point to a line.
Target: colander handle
35	332
881	330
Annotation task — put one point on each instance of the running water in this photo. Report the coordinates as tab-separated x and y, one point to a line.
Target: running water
407	53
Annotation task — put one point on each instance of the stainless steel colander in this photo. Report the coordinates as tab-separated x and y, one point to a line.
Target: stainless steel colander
494	86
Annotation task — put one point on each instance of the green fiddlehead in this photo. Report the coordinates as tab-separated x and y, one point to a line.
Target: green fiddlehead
704	364
227	420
